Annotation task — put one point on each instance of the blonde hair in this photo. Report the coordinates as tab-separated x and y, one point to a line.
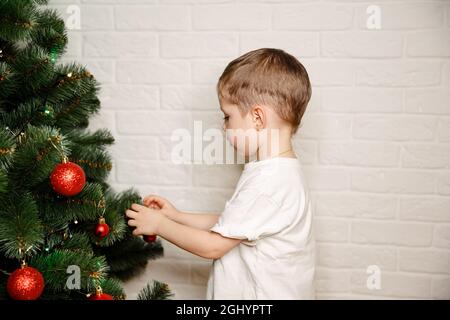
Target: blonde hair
270	77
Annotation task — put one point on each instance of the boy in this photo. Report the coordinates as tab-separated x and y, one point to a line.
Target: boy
262	244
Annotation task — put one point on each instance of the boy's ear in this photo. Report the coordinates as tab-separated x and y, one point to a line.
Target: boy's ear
258	116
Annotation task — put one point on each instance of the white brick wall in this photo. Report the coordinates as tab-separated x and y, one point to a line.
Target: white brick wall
375	140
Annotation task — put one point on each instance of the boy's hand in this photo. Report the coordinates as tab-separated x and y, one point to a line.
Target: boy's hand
145	220
164	205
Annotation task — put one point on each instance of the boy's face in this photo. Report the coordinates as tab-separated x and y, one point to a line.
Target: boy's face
240	130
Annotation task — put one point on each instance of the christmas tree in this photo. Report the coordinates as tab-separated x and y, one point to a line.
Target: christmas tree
63	230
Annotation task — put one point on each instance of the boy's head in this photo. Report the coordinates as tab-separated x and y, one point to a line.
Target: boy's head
264	88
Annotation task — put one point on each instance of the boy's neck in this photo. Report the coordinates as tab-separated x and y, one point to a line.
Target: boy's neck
283	148
284	152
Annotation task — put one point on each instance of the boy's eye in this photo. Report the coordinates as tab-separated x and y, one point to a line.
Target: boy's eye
226	118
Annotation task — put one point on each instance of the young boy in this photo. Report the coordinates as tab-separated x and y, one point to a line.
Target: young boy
262	244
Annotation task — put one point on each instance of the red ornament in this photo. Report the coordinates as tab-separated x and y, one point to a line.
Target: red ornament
102	229
149	238
68	179
100	296
26	283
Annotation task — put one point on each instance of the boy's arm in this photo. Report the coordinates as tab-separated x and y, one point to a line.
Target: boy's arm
203	221
206	244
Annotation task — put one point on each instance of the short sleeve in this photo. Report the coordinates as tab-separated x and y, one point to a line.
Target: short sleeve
250	216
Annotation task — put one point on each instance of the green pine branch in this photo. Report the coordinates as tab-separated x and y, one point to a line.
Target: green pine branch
45	107
18	19
21	231
100	138
57	267
36	157
155	291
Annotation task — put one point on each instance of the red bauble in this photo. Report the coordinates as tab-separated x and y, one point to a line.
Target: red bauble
68	179
101	296
149	238
26	283
102	229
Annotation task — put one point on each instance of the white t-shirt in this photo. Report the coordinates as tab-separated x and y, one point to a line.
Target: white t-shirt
271	210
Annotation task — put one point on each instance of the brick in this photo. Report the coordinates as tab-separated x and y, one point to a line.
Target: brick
96	17
129	97
393	181
123	44
394	127
391	233
361	44
332	280
102	70
166	146
355	205
428	44
325	127
299	44
427	261
443	183
135	148
327	179
199	45
398	73
446	73
207	71
152	17
425	209
314	102
448	15
426	156
153	173
393	285
151	122
306	151
230	17
444	129
427	101
440	288
361	100
152	72
328	230
103	119
189	98
312	17
359	154
330	73
352	256
74	45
